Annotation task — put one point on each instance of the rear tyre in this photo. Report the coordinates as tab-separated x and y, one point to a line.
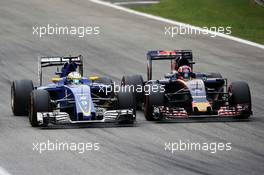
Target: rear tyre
39	102
240	95
154	98
109	83
138	83
126	100
20	93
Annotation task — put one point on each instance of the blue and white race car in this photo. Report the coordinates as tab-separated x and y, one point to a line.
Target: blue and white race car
71	98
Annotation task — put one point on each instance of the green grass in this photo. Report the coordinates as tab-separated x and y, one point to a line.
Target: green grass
244	16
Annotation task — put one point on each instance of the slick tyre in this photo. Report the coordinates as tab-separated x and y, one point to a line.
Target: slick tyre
240	94
39	102
109	83
126	100
20	93
153	99
137	82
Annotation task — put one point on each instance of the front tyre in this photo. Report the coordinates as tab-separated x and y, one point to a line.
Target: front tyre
154	98
39	102
126	100
20	93
240	94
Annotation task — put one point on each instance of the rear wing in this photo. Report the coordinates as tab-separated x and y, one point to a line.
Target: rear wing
169	55
59	61
177	57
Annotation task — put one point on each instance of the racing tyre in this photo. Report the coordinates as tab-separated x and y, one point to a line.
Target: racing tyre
104	80
137	82
240	95
154	98
126	100
20	93
39	102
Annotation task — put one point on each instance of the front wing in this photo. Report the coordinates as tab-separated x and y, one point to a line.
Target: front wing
110	116
223	112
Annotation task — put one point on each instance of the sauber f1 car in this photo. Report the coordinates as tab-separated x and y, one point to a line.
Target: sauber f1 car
185	94
71	98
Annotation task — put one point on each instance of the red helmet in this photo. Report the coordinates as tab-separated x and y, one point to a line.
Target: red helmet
185	72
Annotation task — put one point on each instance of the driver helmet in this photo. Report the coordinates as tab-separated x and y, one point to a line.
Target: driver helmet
74	78
185	72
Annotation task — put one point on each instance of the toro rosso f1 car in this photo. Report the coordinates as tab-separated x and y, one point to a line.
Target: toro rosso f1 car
71	98
185	94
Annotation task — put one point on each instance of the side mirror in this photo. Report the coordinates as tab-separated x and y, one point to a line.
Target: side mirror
56	79
93	78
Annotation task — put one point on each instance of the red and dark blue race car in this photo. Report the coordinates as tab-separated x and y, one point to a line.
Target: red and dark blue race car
70	97
182	93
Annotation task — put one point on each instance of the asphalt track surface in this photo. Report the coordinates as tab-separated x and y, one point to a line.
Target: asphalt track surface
120	49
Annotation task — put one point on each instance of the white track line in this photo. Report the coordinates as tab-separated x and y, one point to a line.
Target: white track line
136	2
3	171
177	23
